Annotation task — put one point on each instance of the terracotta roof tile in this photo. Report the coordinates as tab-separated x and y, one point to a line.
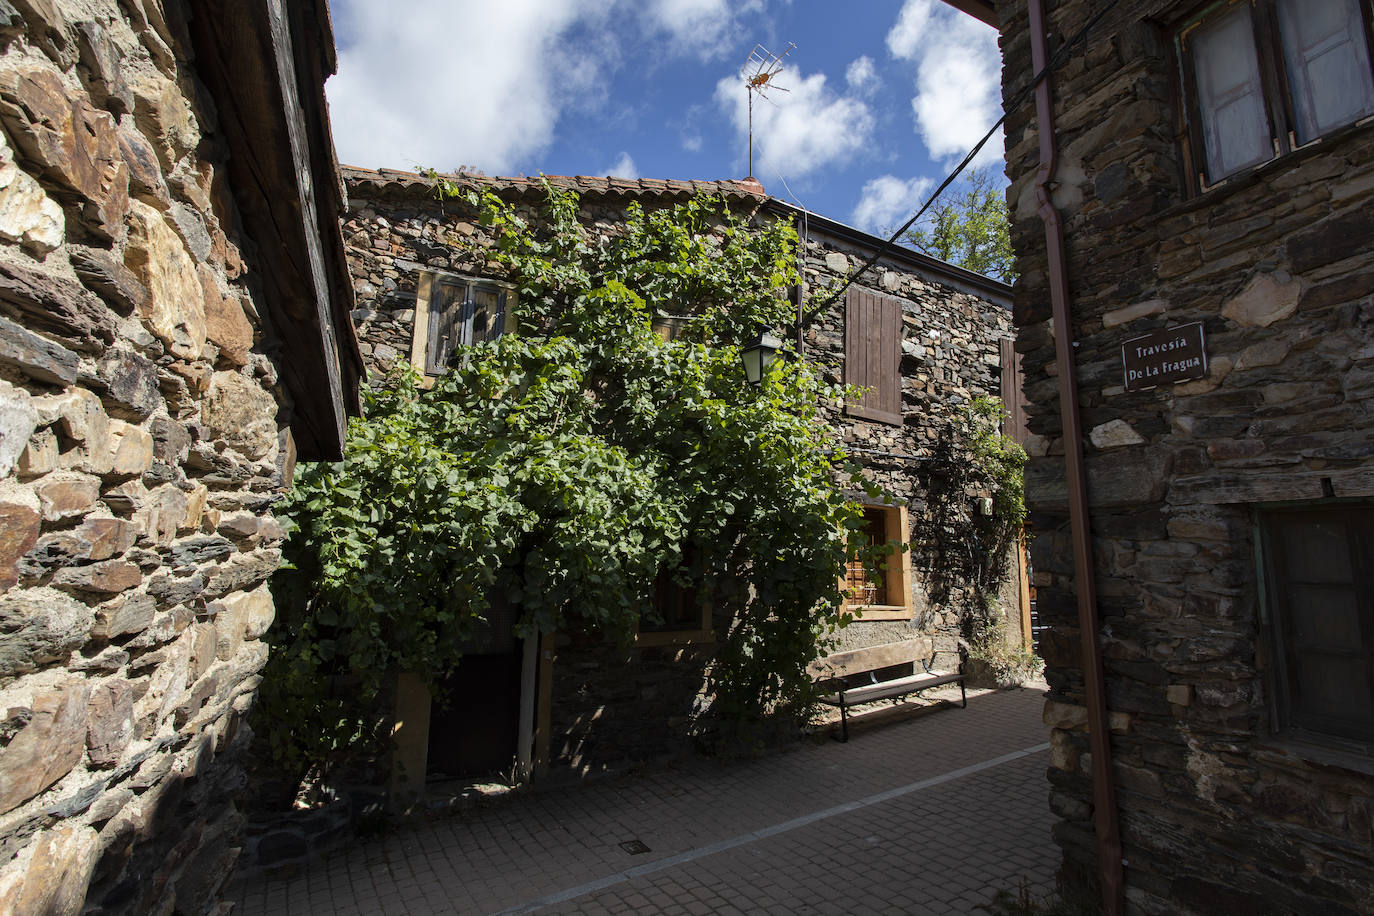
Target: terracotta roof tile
400	180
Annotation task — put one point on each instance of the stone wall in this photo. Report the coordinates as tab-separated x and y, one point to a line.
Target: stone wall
950	355
139	457
611	706
1218	813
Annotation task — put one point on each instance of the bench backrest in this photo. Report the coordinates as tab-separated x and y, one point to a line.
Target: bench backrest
871	658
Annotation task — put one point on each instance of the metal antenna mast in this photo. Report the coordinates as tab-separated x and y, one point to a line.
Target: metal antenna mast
758	72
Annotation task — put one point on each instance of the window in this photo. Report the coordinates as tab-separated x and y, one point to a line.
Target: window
1319	608
1264	77
885	594
680	615
453	311
872	353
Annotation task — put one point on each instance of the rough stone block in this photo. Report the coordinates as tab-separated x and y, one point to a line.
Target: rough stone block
130	383
226	326
175	310
57	306
100	56
242	414
18	419
76	146
59	871
162	513
39	625
1065	716
146	182
1267	298
20	523
37	357
1114	434
131	450
109	577
67	495
125	614
47	747
28	216
109	722
40	455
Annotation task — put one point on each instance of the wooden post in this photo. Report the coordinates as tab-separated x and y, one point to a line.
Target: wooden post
409	739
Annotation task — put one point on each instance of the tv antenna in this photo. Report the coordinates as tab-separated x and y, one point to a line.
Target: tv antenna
758	72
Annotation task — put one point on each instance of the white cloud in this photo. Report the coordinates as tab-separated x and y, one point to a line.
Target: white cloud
416	88
624	167
692	143
799	131
887	202
862	75
958	78
700	27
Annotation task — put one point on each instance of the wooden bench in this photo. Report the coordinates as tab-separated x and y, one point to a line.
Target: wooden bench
837	668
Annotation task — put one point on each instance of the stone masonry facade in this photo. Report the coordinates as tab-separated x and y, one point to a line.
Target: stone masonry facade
141	448
1221	809
610	708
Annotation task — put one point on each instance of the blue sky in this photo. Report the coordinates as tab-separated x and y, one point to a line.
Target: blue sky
884	95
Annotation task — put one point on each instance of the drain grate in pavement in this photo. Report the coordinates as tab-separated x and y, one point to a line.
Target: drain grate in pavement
634	847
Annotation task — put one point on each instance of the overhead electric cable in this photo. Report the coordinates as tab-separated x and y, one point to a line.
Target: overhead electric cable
1054	63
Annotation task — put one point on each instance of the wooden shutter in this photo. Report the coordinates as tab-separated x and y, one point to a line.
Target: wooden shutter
1327	60
872	353
445	301
1012	382
1230	94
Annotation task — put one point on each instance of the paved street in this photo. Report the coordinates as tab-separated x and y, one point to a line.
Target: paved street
927	813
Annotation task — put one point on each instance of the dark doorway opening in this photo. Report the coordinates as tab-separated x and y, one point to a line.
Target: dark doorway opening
475	734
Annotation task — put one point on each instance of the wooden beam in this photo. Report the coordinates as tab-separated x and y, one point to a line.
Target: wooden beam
982	10
247	57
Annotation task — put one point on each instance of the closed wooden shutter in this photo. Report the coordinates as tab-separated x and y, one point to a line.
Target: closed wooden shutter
872	353
1012	382
446	300
1327	59
1230	94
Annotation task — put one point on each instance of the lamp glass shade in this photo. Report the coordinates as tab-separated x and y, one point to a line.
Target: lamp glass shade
758	355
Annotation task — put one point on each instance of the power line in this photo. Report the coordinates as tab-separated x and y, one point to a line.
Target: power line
1054	63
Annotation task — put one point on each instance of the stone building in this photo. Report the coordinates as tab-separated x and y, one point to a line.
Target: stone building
168	233
1208	188
925	336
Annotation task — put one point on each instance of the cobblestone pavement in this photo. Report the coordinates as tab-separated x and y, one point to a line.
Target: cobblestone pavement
931	813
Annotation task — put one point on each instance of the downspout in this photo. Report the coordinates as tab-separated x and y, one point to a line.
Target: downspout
1104	788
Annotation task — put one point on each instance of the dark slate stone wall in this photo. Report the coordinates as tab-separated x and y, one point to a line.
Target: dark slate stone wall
1217	815
612	706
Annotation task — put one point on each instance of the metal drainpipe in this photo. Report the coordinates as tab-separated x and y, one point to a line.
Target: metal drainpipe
1104	788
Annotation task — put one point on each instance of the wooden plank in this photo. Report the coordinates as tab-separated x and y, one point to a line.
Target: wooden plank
871	658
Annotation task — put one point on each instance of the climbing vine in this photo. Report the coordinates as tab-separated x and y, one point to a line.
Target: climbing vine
553	473
963	552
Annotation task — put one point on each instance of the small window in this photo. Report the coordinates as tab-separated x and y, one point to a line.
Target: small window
1264	77
885	593
455	311
872	354
1319	608
679	613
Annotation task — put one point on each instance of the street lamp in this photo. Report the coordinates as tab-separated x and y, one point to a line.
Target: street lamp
758	354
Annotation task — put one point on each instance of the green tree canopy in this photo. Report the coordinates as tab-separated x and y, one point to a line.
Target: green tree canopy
968	227
559	469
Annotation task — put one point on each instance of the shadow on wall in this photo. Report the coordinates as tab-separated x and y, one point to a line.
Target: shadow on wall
961	555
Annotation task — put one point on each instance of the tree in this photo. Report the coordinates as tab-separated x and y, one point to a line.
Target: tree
968	227
563	469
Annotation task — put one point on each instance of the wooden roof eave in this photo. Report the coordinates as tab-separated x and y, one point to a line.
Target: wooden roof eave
263	66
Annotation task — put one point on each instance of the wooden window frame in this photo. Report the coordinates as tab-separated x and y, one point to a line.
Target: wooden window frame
696	632
1305	726
873	355
897	579
424	293
1278	101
